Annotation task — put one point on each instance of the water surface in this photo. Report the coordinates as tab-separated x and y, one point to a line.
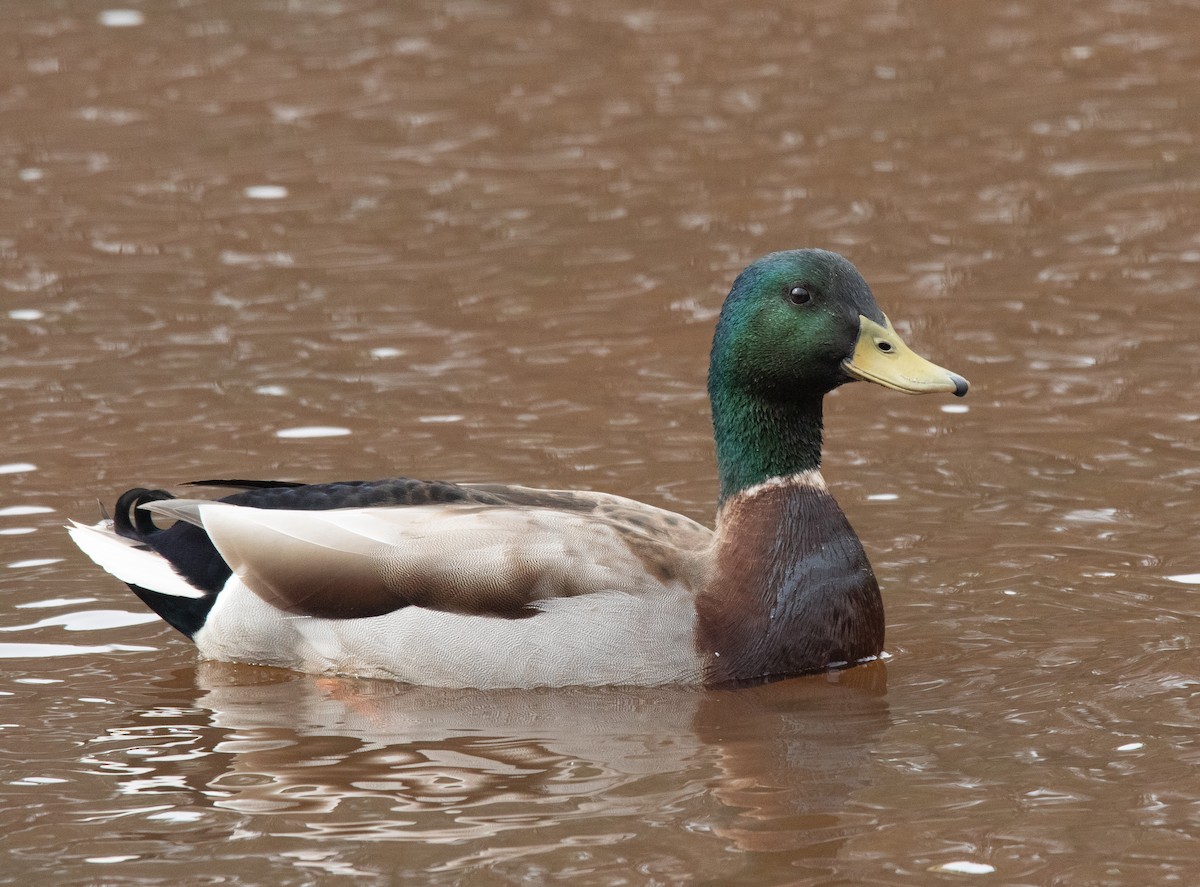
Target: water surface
487	241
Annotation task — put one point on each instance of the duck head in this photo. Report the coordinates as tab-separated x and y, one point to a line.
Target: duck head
796	325
802	322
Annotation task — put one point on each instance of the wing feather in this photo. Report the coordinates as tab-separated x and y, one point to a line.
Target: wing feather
468	558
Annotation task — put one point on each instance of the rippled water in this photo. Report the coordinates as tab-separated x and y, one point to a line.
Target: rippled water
487	241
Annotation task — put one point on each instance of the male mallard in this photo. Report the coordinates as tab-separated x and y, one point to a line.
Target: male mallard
484	585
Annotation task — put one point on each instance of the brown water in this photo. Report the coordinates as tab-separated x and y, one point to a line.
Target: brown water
488	241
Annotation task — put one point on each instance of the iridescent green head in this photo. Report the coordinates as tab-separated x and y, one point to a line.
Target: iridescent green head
795	326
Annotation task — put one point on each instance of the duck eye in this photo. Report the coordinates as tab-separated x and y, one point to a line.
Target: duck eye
799	295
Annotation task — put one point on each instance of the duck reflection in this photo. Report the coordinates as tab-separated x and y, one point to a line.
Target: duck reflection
292	742
791	756
757	766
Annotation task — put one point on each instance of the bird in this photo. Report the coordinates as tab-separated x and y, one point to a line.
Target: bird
484	585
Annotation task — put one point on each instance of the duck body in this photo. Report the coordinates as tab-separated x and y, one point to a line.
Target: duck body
486	585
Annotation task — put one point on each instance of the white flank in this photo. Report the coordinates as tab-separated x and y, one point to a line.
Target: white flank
605	638
124	559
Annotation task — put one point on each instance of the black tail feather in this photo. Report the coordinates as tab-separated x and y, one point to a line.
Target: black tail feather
132	521
186	547
184	614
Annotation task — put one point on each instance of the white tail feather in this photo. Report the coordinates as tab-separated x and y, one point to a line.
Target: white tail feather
124	559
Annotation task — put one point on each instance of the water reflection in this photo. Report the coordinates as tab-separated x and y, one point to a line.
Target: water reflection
767	768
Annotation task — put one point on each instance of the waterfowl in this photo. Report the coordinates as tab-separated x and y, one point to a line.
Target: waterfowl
487	585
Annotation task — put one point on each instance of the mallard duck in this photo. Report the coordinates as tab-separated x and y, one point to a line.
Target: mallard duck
488	585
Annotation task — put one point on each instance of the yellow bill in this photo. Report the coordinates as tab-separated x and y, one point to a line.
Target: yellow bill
880	356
